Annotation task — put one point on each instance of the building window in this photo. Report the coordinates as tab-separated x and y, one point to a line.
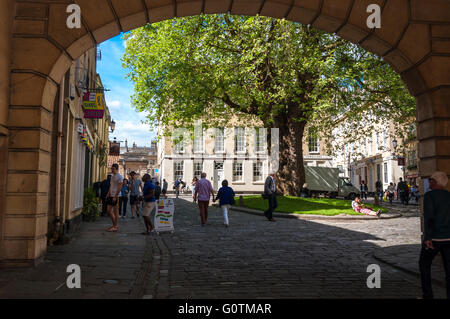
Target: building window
239	140
78	167
385	168
313	141
178	170
378	171
198	141
412	159
179	145
198	169
258	171
219	140
384	141
238	172
378	142
260	139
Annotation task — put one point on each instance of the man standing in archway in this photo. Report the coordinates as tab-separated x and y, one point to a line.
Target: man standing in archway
436	214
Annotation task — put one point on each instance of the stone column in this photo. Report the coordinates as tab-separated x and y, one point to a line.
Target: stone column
6	19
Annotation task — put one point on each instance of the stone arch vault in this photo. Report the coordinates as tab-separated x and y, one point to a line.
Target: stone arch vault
36	49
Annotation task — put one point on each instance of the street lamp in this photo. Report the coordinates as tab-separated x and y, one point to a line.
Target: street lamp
394	143
113	126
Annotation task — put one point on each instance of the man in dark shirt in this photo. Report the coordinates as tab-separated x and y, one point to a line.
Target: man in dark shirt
403	190
104	188
436	213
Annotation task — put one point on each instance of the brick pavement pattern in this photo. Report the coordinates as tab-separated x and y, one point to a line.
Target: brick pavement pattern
253	258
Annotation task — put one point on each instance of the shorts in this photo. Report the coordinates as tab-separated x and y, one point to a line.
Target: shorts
111	202
164	191
148	208
133	199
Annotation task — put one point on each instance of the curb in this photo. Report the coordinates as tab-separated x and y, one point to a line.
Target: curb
314	217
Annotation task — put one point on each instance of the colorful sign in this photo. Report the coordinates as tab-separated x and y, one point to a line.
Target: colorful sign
85	137
93	105
164	215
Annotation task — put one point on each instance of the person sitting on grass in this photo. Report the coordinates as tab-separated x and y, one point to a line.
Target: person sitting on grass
360	208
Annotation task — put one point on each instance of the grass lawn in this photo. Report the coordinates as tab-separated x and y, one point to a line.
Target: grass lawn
311	206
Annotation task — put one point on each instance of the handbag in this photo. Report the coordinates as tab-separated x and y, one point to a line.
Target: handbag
264	196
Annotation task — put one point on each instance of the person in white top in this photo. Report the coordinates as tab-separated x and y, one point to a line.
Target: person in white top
112	198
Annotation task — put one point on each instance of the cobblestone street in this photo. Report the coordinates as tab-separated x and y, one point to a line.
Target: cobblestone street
252	259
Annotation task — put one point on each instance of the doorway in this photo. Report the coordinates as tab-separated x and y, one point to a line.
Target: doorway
219	175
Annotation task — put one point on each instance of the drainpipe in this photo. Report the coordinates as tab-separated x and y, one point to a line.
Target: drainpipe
59	136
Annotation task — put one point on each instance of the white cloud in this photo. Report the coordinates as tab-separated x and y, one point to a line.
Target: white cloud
113	104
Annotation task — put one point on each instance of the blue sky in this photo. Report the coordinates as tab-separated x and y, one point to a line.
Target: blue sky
128	122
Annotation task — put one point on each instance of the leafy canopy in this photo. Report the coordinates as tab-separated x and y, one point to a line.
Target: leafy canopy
217	66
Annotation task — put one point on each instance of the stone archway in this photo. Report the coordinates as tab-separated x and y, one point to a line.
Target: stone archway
414	39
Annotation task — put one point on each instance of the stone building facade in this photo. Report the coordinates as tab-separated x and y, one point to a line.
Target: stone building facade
375	158
140	159
238	154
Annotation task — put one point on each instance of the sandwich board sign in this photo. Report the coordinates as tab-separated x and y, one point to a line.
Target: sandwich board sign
164	215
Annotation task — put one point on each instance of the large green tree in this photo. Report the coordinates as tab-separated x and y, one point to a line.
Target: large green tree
285	74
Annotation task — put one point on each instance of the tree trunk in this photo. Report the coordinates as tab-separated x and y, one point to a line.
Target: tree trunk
291	174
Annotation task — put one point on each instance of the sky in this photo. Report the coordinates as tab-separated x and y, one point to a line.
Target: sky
128	122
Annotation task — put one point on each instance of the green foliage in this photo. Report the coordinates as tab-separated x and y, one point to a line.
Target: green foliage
101	150
90	205
310	206
216	66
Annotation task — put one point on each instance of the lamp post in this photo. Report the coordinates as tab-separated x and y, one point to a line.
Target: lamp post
112	126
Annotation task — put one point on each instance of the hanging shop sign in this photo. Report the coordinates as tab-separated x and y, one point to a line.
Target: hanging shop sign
401	161
93	105
114	148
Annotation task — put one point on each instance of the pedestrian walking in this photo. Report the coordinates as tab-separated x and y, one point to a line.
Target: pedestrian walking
164	188
379	188
194	182
403	190
176	187
104	189
436	236
391	192
157	191
226	199
270	193
123	199
363	190
135	193
203	191
149	203
113	197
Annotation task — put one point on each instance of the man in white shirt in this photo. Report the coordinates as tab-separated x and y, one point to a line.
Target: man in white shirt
112	198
